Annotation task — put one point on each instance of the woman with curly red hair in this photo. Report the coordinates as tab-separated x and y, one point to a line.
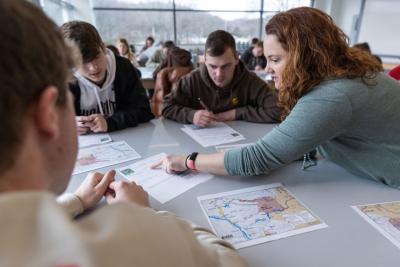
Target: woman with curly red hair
333	97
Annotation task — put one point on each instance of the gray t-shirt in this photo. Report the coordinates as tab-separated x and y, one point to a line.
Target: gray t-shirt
352	124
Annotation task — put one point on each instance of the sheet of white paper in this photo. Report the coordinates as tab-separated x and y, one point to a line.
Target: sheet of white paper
215	134
225	148
384	217
255	215
159	184
104	155
93	139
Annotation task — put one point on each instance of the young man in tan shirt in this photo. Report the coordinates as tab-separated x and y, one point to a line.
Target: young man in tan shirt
38	151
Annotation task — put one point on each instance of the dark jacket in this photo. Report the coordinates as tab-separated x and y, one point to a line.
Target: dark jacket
252	98
251	61
132	105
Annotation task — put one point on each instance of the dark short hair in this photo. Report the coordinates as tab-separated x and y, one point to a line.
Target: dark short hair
114	49
218	41
254	41
363	46
33	57
151	39
85	36
169	44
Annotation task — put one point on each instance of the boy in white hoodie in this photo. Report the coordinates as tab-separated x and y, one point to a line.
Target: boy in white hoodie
108	93
38	151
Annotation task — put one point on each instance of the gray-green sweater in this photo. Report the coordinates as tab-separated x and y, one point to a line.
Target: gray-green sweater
353	125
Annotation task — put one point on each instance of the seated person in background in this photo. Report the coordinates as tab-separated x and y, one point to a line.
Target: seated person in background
177	64
125	51
256	59
144	55
108	94
221	89
249	50
38	152
160	54
147	43
365	47
395	73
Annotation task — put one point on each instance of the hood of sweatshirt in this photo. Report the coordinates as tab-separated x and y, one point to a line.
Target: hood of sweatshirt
98	99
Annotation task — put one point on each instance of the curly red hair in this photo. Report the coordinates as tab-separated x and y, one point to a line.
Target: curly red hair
317	50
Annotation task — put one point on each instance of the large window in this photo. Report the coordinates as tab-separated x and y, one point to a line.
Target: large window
187	22
135	26
59	11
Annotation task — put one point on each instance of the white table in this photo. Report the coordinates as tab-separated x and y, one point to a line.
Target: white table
326	189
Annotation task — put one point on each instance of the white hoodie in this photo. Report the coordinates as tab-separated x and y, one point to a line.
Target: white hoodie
95	99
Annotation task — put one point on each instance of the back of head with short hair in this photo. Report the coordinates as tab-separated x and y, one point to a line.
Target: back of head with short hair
254	41
114	49
33	57
217	43
363	46
169	44
85	36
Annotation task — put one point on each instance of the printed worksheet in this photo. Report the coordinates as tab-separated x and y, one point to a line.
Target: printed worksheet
159	184
225	148
255	215
215	134
93	139
96	157
384	217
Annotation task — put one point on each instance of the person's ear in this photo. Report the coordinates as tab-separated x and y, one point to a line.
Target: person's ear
47	113
236	55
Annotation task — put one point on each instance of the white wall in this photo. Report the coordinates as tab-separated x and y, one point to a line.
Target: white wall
343	12
379	25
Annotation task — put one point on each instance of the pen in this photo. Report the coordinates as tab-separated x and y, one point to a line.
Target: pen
83	122
202	104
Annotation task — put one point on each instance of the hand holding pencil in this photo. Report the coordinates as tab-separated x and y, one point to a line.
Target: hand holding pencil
203	117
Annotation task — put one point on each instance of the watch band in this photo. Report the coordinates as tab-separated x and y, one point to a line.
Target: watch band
190	161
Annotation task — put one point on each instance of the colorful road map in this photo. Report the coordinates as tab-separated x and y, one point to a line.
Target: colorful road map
385	217
256	215
104	155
